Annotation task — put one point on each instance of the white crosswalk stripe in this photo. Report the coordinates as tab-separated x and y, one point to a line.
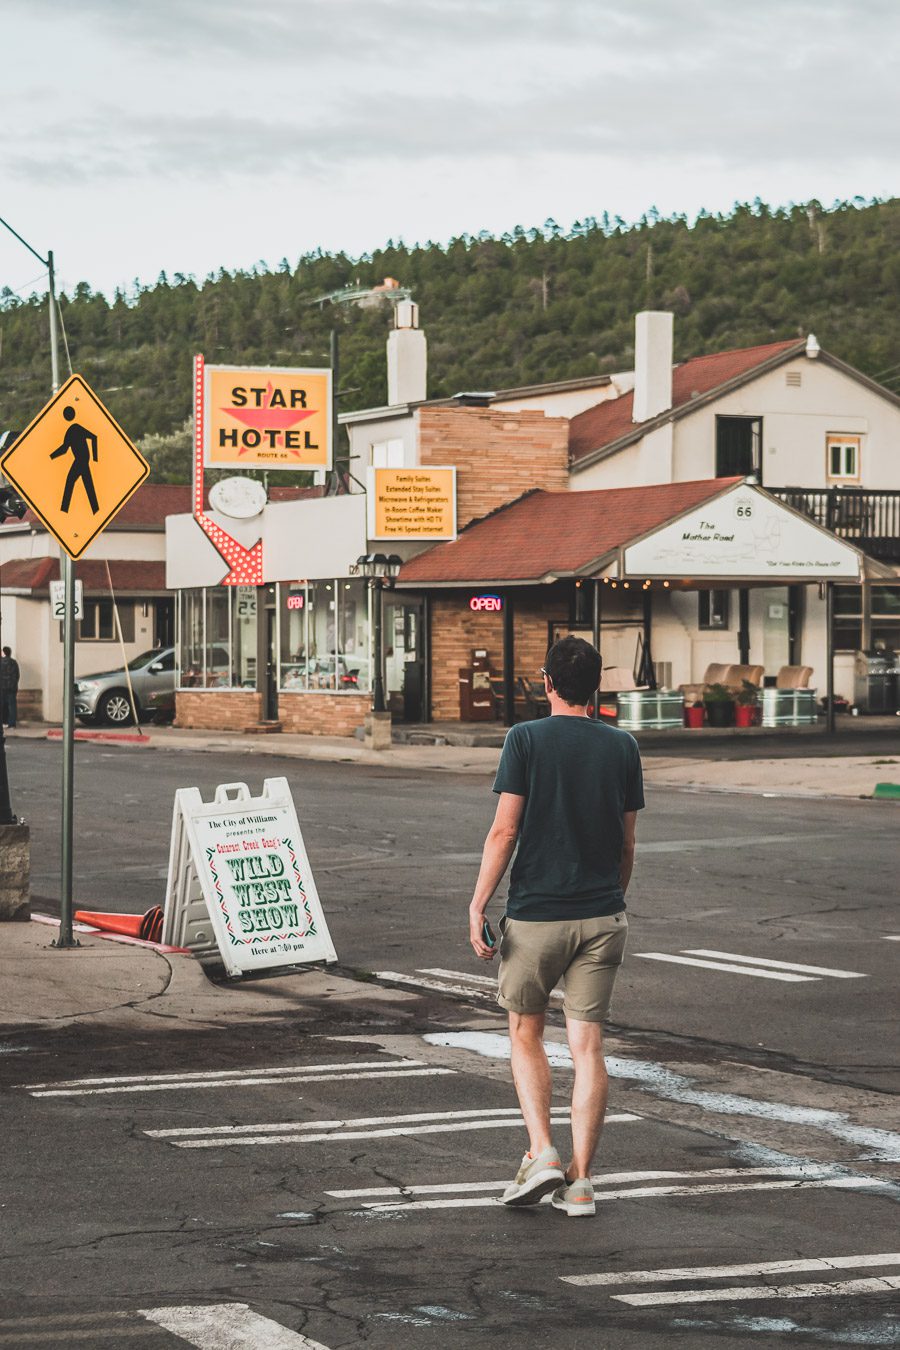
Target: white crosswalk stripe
800	1171
365	1127
778	965
310	1073
487	981
763	967
228	1326
648	1192
729	968
740	1293
792	1267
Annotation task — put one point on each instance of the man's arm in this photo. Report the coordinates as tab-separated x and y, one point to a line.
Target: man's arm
498	849
93	439
61	450
630	822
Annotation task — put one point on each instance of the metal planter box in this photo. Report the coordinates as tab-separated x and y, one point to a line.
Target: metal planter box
789	707
650	710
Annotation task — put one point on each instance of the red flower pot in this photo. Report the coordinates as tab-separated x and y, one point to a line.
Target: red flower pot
744	715
693	715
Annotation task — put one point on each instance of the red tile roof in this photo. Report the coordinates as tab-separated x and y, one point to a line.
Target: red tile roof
600	426
152	502
35	575
555	533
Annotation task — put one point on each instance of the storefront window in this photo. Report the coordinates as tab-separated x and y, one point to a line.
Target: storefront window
324	636
243	632
886	617
353	635
293	621
190	654
847	617
217	638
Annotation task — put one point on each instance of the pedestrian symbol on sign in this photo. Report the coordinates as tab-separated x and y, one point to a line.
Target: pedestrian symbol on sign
83	445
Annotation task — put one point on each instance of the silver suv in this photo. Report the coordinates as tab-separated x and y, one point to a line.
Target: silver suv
104	697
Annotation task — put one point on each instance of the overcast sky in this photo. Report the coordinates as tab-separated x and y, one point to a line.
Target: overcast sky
185	135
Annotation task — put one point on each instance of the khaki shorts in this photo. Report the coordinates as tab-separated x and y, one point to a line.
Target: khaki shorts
586	953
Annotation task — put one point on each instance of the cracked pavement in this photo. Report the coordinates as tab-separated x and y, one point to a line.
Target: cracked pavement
736	1089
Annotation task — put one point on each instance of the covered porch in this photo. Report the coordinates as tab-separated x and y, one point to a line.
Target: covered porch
667	580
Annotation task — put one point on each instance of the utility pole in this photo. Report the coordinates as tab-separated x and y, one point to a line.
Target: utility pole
65	938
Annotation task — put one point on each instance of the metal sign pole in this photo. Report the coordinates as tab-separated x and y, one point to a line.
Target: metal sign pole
65	938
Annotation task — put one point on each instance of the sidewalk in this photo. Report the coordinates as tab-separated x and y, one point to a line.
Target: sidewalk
820	769
122	984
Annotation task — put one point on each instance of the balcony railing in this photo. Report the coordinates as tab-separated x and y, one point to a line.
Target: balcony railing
870	520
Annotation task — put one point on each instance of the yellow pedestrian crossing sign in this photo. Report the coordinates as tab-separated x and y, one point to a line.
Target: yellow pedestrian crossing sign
75	466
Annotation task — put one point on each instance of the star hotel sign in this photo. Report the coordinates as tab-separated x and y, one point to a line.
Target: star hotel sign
267	418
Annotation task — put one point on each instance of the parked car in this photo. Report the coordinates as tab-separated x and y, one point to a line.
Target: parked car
104	697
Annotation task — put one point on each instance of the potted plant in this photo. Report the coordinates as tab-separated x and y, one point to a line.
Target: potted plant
719	701
693	715
745	701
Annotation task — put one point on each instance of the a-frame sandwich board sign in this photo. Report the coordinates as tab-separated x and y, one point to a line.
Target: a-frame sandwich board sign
240	888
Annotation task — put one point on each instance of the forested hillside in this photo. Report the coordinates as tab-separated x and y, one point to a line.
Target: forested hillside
531	306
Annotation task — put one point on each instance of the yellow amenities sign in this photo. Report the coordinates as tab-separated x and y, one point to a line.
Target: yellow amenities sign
75	466
412	503
268	418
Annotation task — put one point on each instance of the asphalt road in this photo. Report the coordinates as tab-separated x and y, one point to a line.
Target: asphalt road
799	881
327	1179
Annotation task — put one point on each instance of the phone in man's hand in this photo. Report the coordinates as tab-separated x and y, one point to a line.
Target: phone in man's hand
487	934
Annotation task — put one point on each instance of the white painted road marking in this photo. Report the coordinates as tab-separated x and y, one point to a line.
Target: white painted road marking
738	1293
437	986
778	965
880	1145
808	1171
489	981
350	1121
249	1082
160	1082
228	1326
319	1131
722	965
735	1271
652	1192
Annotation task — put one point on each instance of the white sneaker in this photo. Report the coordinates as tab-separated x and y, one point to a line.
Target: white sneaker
575	1198
535	1178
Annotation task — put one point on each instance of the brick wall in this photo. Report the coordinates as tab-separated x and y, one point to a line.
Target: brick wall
217	710
323	714
498	455
455	630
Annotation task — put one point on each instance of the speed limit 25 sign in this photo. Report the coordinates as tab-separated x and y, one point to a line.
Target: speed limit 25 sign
58	600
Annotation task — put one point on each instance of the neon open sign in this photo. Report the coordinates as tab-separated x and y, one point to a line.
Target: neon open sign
295	601
491	603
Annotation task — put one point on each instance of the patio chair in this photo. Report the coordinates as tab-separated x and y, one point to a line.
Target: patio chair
736	675
715	674
794	677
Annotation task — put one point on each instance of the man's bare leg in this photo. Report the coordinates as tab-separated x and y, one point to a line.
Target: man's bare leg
531	1075
589	1094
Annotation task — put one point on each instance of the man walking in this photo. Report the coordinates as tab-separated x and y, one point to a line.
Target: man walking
569	792
9	687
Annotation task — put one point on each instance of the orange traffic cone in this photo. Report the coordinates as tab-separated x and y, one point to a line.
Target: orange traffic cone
130	925
151	926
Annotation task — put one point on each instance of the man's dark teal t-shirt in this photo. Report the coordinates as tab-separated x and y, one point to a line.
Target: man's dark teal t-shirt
578	778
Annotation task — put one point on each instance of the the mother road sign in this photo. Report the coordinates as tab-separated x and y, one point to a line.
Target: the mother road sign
75	466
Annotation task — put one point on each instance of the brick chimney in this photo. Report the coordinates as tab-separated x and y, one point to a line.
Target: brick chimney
407	356
653	340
